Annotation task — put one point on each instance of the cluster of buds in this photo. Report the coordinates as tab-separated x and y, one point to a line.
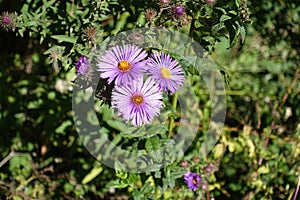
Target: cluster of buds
244	12
175	12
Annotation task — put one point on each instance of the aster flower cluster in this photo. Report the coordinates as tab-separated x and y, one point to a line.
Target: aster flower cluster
140	80
193	180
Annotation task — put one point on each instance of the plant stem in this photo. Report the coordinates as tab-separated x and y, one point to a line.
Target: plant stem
297	188
174	105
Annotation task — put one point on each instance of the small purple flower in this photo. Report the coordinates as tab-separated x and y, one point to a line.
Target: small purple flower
192	180
122	64
138	101
179	10
82	65
166	71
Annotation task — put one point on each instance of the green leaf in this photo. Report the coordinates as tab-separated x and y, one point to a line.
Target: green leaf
153	147
65	38
218	151
93	173
221	9
243	33
217	27
233	33
62	128
117	125
198	24
177	172
120	170
153	167
155	130
116	184
147	188
263	170
224	18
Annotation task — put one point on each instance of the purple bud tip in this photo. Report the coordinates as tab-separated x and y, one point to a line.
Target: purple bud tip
82	66
6	20
179	10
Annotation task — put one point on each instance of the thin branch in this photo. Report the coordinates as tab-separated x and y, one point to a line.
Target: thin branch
10	155
297	189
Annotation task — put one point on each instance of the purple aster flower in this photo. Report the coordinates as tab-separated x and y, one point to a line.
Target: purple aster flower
122	64
192	180
82	65
138	101
166	71
179	10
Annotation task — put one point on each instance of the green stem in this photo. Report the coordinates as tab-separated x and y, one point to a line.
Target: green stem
174	105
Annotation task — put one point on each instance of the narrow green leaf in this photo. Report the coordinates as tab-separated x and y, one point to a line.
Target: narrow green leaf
93	174
217	27
116	184
224	18
243	33
65	38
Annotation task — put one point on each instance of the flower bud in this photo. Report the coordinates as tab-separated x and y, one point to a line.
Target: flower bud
184	163
179	10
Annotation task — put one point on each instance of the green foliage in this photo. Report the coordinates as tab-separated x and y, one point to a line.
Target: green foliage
257	156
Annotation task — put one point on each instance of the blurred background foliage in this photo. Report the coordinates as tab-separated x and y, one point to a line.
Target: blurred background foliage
258	154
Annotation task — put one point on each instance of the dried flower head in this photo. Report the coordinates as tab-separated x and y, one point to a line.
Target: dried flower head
8	21
244	12
150	14
90	32
184	19
55	55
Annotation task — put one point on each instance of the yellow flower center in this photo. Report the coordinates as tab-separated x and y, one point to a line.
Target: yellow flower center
124	66
137	99
165	72
194	181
